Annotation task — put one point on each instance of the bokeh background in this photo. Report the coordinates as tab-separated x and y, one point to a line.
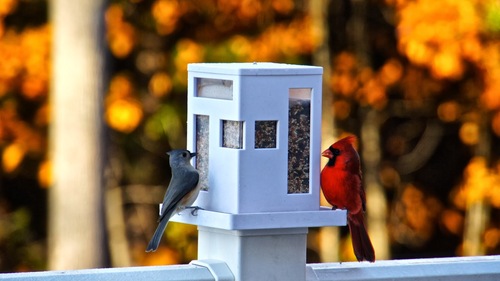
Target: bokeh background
417	81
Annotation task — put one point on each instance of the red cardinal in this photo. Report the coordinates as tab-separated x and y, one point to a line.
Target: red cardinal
341	184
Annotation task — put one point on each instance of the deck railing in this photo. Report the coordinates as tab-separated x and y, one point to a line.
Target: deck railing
453	269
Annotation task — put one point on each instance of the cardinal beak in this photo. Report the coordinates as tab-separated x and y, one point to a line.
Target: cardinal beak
327	153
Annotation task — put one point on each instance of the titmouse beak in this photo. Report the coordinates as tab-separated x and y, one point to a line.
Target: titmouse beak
193	154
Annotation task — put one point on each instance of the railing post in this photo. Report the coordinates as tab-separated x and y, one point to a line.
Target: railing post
266	254
256	130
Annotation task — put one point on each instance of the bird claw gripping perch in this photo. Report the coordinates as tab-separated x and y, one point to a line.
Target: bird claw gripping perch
194	210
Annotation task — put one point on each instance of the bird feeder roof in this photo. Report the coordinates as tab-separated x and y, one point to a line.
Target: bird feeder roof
255	69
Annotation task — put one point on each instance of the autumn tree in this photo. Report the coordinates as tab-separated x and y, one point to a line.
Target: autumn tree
431	78
76	226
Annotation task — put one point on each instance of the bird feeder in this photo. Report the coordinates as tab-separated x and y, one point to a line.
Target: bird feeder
256	128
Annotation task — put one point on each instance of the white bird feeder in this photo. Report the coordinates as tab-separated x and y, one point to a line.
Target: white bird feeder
257	130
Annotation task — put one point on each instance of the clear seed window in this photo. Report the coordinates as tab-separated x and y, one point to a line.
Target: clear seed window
214	88
202	148
265	134
232	134
299	136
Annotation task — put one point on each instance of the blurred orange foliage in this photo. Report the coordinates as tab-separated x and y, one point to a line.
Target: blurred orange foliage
362	84
492	238
45	174
481	183
123	112
6	7
12	155
35	46
469	133
495	124
449	111
453	221
446	35
120	34
166	14
417	212
26	58
24	74
160	84
437	34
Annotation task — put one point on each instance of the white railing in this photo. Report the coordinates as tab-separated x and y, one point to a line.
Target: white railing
456	269
208	270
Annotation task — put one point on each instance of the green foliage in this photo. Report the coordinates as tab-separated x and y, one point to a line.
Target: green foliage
19	251
167	123
492	17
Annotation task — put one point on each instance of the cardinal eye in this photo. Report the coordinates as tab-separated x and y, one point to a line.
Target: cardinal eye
334	151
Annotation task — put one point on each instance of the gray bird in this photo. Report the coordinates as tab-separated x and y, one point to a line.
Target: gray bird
181	192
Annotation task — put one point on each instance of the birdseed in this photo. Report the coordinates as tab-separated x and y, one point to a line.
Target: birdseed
202	146
265	134
232	134
299	124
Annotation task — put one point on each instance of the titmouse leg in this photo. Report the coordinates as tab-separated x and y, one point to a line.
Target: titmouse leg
194	212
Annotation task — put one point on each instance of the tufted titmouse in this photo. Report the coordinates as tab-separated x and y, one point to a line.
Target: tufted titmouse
181	192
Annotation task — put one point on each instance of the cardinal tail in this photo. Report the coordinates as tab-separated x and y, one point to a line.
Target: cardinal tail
363	248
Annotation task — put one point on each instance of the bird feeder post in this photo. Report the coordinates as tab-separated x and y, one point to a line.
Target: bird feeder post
256	128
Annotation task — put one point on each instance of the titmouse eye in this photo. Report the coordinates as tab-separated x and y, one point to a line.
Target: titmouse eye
184	154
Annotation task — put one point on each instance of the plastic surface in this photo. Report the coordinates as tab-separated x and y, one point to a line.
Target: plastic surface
271	254
486	268
263	220
255	68
219	269
150	273
242	178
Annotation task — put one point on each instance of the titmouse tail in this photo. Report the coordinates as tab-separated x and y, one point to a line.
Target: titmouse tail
155	241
